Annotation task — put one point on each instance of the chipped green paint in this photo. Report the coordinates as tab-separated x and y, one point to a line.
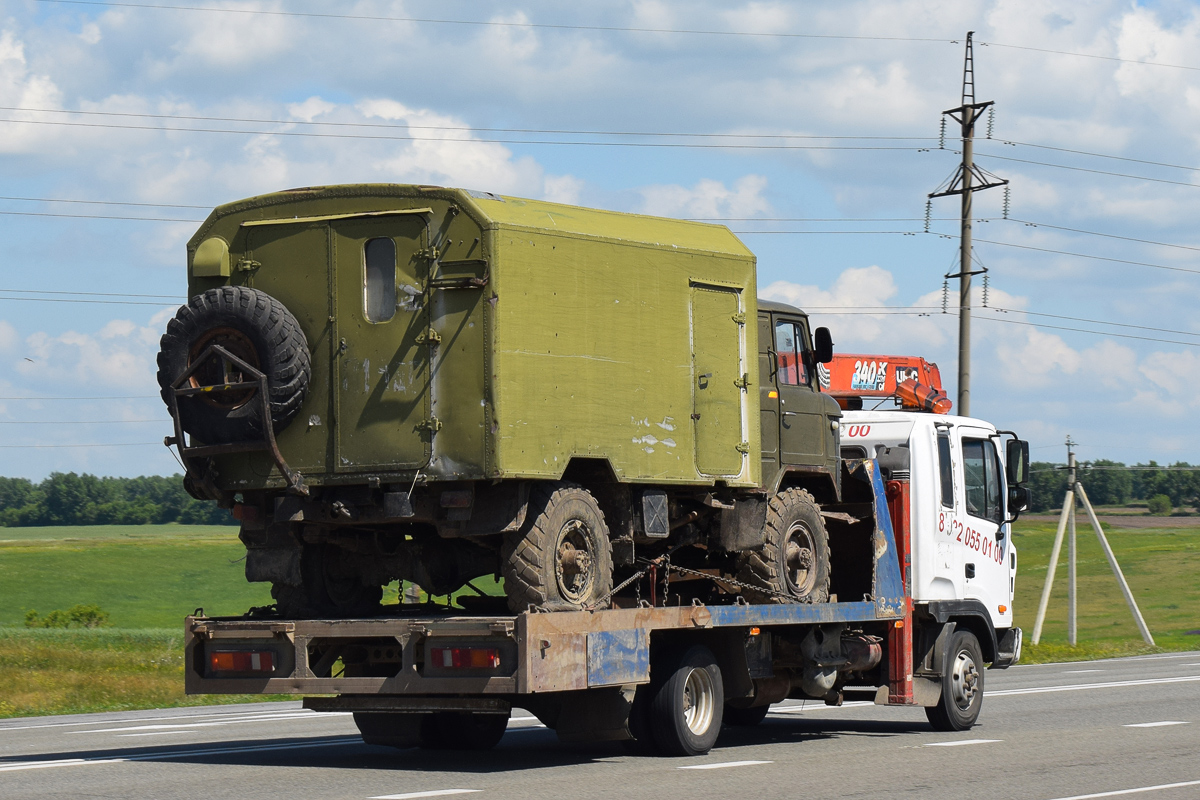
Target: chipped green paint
526	334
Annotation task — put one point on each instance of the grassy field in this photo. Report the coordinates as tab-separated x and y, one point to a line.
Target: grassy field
1160	564
145	576
150	577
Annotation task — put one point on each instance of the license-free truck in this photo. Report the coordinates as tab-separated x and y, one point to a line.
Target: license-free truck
435	386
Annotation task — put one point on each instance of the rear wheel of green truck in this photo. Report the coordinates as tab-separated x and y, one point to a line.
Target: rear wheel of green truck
792	564
962	685
561	560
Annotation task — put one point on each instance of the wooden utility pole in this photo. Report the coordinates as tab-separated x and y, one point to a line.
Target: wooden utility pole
967	180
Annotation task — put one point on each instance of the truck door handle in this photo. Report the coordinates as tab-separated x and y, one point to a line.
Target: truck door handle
970	570
702	380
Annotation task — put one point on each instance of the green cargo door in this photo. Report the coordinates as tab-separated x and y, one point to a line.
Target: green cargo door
381	357
717	374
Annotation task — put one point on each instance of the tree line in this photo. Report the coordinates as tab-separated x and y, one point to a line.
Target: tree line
1112	483
70	499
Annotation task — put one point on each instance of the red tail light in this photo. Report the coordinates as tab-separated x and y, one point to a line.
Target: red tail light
242	661
465	657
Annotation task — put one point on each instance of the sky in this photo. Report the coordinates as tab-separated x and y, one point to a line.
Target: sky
811	129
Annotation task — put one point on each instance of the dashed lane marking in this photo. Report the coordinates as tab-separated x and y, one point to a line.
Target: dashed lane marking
1162	724
1138	790
1104	685
224	715
1079	671
725	764
961	742
214	724
434	793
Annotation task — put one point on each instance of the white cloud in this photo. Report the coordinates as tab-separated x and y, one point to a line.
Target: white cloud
120	354
8	336
20	88
708	199
563	189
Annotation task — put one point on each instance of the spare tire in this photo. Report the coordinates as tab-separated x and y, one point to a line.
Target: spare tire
256	328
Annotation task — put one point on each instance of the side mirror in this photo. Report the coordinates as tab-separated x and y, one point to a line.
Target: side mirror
823	345
1019	498
1017	462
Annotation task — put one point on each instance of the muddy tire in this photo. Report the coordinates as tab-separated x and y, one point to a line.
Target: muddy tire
330	588
792	565
962	685
561	559
256	328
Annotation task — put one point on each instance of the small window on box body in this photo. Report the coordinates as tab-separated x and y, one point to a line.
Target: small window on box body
379	284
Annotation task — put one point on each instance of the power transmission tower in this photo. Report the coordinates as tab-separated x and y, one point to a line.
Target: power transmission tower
1066	522
967	180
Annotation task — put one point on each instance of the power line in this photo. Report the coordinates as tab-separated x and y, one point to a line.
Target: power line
457	128
88	302
93	216
1085	255
99	202
398	138
53	446
1105	235
92	294
1086	169
83	422
1095	155
1087	55
499	23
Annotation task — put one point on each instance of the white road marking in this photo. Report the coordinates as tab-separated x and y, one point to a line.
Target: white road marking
197	753
1079	671
156	733
961	742
218	715
434	793
242	721
725	764
1138	790
1108	685
1154	724
521	719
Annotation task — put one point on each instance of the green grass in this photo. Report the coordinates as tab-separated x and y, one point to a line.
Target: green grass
113	532
143	580
81	671
1160	565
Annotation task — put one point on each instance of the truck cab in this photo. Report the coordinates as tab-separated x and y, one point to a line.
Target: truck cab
962	481
800	424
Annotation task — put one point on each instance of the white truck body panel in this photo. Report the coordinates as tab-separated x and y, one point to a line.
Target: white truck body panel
949	542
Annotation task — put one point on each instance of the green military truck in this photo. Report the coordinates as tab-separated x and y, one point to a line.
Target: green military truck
388	382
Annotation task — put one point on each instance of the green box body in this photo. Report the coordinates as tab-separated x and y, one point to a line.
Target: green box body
517	335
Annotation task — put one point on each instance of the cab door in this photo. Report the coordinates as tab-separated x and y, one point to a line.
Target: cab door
381	354
768	395
978	534
801	410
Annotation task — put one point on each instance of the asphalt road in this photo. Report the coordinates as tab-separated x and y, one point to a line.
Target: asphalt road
1120	728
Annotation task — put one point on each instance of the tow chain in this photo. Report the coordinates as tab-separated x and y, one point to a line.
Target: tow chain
665	561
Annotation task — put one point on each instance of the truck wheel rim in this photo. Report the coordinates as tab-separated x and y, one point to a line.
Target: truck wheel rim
210	374
798	560
574	563
698	701
964	680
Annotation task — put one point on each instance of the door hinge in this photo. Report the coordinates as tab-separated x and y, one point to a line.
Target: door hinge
740	319
744	447
431	336
433	425
247	265
429	254
743	381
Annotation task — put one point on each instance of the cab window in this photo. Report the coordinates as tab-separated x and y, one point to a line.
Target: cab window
791	346
945	469
981	470
379	280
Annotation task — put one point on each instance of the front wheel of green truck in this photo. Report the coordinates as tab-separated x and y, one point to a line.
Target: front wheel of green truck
561	560
792	564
